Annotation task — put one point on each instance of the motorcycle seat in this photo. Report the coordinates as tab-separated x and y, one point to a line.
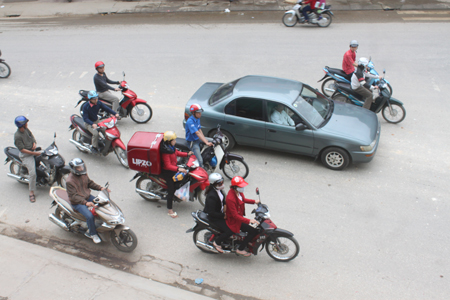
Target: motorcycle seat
13	152
63	198
340	73
80	122
182	144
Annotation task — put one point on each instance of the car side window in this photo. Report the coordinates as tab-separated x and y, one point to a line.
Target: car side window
249	108
281	114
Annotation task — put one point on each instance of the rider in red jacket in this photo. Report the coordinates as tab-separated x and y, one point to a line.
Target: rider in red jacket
236	211
169	168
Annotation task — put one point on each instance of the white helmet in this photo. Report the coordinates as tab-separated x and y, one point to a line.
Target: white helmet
215	178
354	43
363	62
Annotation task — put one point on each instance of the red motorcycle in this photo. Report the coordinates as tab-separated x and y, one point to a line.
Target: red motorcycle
130	105
109	138
280	244
144	157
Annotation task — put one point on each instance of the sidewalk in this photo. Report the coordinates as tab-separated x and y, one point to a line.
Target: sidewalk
30	271
58	8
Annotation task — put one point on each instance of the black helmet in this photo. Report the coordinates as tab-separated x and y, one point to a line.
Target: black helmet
77	166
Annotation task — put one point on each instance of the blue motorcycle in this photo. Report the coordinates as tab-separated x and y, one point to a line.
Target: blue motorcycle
334	76
391	108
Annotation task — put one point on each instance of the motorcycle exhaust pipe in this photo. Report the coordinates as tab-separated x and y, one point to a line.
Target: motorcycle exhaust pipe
19	178
80	146
58	222
147	193
209	247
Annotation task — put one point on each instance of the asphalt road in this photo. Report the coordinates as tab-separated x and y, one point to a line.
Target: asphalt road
373	231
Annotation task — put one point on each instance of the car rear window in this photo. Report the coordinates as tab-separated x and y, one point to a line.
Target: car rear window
224	91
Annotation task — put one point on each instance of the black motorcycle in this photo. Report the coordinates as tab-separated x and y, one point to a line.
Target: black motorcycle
391	108
50	166
5	70
217	156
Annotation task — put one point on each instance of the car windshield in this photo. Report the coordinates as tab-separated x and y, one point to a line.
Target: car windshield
313	106
224	91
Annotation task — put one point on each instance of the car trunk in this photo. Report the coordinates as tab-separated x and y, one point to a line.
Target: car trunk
202	96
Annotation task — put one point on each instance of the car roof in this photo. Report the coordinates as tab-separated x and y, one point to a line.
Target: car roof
270	88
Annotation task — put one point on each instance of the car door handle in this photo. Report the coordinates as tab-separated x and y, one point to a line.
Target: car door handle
271	130
231	123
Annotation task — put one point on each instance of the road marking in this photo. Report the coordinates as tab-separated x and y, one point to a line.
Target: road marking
421	12
3	211
82	74
32	73
71	73
435	86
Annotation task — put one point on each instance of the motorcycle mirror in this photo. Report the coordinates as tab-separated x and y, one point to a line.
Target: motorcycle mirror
370	58
384	71
257	191
107	185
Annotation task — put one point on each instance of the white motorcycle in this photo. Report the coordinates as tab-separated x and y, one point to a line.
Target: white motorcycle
217	156
108	218
320	17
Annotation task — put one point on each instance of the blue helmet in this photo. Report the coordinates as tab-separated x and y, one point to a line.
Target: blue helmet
92	94
20	121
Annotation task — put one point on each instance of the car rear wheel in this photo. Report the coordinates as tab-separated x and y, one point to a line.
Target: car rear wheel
335	158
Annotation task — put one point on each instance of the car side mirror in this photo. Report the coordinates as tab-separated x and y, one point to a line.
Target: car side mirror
300	127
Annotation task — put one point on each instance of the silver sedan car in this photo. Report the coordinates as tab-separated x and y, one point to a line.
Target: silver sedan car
288	116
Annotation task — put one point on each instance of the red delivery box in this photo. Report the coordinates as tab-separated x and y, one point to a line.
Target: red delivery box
143	152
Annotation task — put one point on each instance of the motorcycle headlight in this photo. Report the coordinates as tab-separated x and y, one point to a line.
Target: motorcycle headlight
110	124
368	148
118	221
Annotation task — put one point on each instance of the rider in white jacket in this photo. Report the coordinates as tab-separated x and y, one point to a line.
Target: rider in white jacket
359	84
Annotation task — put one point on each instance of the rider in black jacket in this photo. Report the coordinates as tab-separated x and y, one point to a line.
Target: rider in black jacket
215	207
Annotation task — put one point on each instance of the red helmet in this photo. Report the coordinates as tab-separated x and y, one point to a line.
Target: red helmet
195	108
99	64
238	181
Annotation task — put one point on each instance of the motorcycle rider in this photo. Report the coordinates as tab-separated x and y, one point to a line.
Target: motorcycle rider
90	117
102	87
215	207
194	134
236	211
169	167
26	143
79	187
359	85
349	60
308	8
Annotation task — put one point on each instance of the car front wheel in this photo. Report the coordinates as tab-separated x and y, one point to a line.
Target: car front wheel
335	158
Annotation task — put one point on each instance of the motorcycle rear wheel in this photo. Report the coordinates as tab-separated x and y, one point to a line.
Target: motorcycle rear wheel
76	136
5	70
147	184
121	156
283	249
289	19
235	167
325	15
126	241
203	235
141	113
14	168
395	116
329	87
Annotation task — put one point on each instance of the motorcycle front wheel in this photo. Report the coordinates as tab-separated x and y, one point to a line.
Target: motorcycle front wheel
284	248
141	113
235	167
289	19
5	70
62	180
14	168
125	241
201	197
329	87
121	156
149	185
203	235
326	15
395	114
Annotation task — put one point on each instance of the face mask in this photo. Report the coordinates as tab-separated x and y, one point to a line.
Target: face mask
221	187
240	189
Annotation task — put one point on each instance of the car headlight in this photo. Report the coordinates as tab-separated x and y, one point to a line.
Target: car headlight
368	148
